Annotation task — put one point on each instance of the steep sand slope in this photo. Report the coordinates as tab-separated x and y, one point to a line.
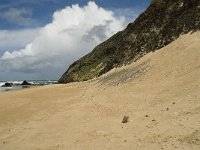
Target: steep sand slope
160	93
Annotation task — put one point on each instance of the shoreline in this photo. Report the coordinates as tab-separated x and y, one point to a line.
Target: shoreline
18	85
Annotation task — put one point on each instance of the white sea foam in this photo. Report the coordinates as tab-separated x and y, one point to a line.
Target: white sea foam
16	82
2	83
33	82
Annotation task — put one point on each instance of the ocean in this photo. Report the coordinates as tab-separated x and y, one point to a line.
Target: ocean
17	84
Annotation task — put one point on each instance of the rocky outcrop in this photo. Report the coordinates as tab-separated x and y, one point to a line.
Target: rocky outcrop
162	22
7	84
25	83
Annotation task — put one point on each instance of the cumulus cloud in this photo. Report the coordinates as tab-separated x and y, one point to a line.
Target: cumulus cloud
19	16
16	39
73	32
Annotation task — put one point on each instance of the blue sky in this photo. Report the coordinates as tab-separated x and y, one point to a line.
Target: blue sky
39	12
29	29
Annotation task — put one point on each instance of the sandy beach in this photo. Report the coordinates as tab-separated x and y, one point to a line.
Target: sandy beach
160	93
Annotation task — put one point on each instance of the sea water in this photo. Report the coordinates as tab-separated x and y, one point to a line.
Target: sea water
17	84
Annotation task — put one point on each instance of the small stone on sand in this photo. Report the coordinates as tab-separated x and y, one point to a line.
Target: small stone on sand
125	119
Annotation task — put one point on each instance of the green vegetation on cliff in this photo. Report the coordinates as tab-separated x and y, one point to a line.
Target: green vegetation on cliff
162	22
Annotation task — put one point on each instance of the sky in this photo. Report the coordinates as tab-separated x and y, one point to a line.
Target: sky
39	39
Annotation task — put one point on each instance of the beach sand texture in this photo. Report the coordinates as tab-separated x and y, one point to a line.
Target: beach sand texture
160	94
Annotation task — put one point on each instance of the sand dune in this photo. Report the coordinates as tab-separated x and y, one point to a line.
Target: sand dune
160	93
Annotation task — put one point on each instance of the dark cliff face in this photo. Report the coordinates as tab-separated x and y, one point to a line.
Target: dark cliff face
162	22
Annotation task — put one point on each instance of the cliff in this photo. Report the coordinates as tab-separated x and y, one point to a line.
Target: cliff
163	22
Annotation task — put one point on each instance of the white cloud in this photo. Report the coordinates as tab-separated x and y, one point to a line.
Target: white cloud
129	13
74	31
12	40
19	16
